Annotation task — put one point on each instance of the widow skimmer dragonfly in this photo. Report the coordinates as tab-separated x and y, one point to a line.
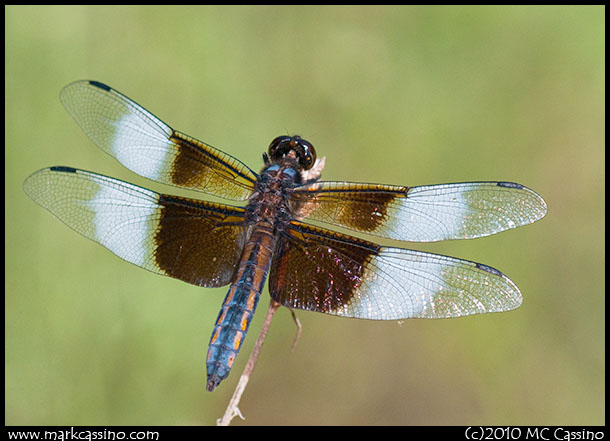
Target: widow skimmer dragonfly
310	267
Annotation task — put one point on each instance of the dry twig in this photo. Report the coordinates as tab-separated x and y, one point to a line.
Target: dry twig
299	329
232	409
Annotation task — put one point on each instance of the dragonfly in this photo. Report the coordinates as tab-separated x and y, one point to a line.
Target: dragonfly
309	266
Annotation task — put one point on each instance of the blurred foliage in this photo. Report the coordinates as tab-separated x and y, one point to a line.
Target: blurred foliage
400	95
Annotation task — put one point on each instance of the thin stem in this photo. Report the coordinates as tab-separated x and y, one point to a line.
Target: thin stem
232	409
299	330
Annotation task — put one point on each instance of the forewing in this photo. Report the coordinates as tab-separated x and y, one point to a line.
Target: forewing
149	147
421	214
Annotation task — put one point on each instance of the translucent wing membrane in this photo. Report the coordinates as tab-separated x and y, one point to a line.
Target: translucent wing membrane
149	147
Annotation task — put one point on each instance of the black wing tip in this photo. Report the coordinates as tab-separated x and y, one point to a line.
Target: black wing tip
100	85
37	174
510	185
542	203
62	168
490	269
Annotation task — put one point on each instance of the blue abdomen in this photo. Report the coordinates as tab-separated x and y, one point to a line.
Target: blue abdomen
238	308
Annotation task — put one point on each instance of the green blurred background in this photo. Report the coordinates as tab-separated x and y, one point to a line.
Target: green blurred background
398	95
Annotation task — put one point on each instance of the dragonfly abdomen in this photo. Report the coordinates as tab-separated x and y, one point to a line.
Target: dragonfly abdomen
239	305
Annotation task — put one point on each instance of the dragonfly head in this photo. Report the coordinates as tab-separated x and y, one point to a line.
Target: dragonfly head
295	147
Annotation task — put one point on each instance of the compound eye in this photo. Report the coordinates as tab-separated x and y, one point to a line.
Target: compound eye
308	157
278	146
